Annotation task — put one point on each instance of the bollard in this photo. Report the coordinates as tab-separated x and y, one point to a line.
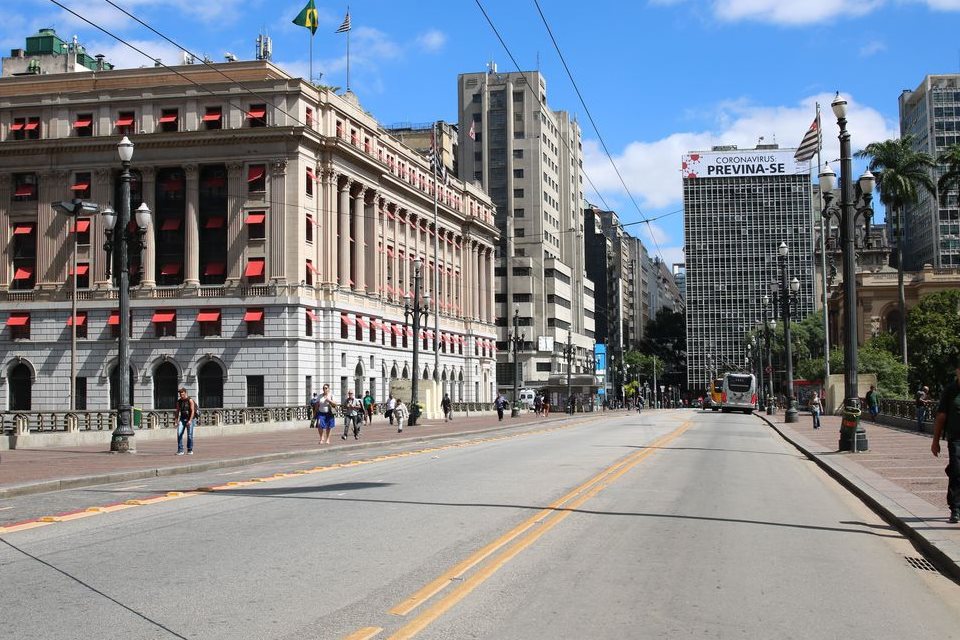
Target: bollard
853	437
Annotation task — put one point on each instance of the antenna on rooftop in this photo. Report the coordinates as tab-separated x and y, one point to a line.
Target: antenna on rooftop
264	47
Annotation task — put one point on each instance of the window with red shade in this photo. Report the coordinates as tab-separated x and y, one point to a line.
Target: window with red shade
164	323
257	115
81	320
255	271
19	324
256	225
213	118
81	185
254	321
125	123
257	178
209	321
83	125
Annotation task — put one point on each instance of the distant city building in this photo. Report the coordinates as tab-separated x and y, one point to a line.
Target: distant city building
931	114
420	137
282	246
665	294
528	158
680	277
739	205
640	301
46	53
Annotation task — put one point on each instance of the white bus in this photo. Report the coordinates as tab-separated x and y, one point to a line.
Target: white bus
739	392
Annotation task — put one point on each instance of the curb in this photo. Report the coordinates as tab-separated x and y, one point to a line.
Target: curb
46	486
887	507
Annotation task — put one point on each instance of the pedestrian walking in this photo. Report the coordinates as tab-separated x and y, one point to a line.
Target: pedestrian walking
873	402
922	398
447	407
538	404
500	404
546	407
353	412
816	407
947	425
391	407
401	414
186	419
313	411
326	407
368	404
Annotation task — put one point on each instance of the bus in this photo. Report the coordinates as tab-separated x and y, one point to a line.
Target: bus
715	398
739	392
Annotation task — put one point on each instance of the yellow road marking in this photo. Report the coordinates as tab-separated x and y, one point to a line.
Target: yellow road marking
24	526
591	487
364	634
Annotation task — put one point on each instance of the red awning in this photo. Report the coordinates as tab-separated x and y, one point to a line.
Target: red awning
311	315
81	319
257	112
347	320
25	190
255	268
170	224
124	121
80	186
33	124
408	331
23	229
214	223
256	218
164	316
212	116
82	226
16	126
208	316
170	117
429	335
82	269
255	173
114	318
18	320
310	173
170	269
214	269
23	273
311	268
82	122
397	329
253	315
363	323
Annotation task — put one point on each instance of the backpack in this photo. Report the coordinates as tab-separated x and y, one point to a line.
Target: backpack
196	409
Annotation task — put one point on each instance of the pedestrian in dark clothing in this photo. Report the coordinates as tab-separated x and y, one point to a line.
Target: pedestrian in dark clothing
447	407
500	404
186	420
947	425
923	398
873	402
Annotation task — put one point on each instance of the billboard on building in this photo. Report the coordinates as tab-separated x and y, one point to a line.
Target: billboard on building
742	164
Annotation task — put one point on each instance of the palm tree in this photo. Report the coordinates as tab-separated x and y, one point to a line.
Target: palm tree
950	179
900	171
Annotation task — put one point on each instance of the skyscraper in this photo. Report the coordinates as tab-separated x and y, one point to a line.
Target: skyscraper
528	158
739	205
931	114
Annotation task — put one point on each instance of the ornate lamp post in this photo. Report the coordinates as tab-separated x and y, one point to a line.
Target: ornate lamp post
417	311
850	207
119	238
74	208
768	327
569	354
517	340
786	297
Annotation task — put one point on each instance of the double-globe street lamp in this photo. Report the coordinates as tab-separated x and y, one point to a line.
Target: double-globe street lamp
786	297
416	310
769	325
851	207
119	239
517	341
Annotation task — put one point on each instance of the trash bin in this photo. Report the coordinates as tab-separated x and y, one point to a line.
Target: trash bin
852	437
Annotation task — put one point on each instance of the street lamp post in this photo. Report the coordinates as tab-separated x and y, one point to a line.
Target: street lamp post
74	208
517	340
849	209
787	295
417	312
119	238
768	327
569	354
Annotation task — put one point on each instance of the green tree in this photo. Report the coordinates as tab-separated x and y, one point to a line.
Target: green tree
666	338
934	331
950	179
901	172
873	357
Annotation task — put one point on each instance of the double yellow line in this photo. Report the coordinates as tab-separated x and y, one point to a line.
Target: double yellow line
506	547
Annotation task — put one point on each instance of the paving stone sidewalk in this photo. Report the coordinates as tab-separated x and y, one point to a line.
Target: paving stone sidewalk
898	477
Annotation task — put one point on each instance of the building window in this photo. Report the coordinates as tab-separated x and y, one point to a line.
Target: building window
256	225
83	125
308	229
255	271
309	181
543	366
81	391
125	123
24	256
309	270
32	127
254	320
213	118
83	275
518	173
476	98
478	176
257	178
518	154
255	391
82	229
165	323
81	323
257	115
210	324
19	324
309	117
169	120
519	213
81	185
24	187
18	129
518	193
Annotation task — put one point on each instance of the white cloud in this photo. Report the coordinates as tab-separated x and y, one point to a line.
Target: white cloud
123	57
432	40
871	48
805	12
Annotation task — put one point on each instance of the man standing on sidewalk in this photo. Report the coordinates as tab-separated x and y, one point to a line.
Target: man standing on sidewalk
947	424
186	417
923	396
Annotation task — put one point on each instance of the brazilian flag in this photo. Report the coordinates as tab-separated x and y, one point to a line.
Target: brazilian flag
308	17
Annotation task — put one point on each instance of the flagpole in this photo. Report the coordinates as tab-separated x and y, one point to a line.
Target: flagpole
823	267
348	52
436	259
311	59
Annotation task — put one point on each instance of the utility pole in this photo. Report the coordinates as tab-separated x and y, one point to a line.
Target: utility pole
569	366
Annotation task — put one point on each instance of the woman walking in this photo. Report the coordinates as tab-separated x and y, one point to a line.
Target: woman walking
815	408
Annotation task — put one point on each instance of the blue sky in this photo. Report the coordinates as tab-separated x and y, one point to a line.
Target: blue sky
660	77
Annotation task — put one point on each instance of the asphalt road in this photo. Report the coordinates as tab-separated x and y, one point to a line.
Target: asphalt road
677	524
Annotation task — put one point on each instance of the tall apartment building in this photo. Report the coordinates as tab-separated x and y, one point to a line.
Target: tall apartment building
286	226
528	158
931	114
739	205
640	310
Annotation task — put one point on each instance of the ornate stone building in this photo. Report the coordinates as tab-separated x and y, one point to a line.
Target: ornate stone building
285	228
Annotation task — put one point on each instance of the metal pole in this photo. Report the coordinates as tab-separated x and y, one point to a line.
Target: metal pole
654	382
121	442
769	402
73	321
415	379
436	259
847	231
569	365
791	414
514	410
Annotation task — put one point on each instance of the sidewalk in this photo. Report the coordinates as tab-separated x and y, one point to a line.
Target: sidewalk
898	478
27	471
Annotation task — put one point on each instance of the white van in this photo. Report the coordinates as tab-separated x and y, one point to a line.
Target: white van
526	397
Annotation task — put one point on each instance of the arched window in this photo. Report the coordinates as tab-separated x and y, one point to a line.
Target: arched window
358	381
210	383
165	381
115	388
20	388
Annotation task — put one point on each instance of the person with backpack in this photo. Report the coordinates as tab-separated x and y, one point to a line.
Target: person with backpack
873	402
186	412
353	410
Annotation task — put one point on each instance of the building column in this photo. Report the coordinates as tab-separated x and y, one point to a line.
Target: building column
360	240
6	248
148	182
482	293
276	216
488	291
236	223
328	227
344	228
192	231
